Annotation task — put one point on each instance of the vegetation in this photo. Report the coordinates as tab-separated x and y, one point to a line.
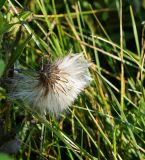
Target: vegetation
107	121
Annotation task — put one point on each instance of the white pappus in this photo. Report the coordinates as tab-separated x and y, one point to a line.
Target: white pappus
56	86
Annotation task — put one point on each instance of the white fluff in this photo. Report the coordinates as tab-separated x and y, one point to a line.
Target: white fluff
72	78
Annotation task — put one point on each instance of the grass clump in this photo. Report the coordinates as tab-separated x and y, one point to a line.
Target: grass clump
107	121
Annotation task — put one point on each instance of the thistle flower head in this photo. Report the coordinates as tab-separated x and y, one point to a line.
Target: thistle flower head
56	86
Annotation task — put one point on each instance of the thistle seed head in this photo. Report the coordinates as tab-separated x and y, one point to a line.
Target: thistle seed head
56	86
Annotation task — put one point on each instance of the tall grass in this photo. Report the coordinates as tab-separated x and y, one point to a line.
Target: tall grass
107	121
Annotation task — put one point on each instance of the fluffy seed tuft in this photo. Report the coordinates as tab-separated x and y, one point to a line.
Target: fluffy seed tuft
56	86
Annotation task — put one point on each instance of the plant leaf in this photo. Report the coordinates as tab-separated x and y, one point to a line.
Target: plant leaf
17	52
2	67
5	157
2	2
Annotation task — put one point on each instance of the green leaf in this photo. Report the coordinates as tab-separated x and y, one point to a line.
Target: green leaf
2	67
25	15
135	31
2	2
5	157
4	25
2	93
17	52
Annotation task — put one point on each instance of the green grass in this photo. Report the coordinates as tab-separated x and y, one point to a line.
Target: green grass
107	121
